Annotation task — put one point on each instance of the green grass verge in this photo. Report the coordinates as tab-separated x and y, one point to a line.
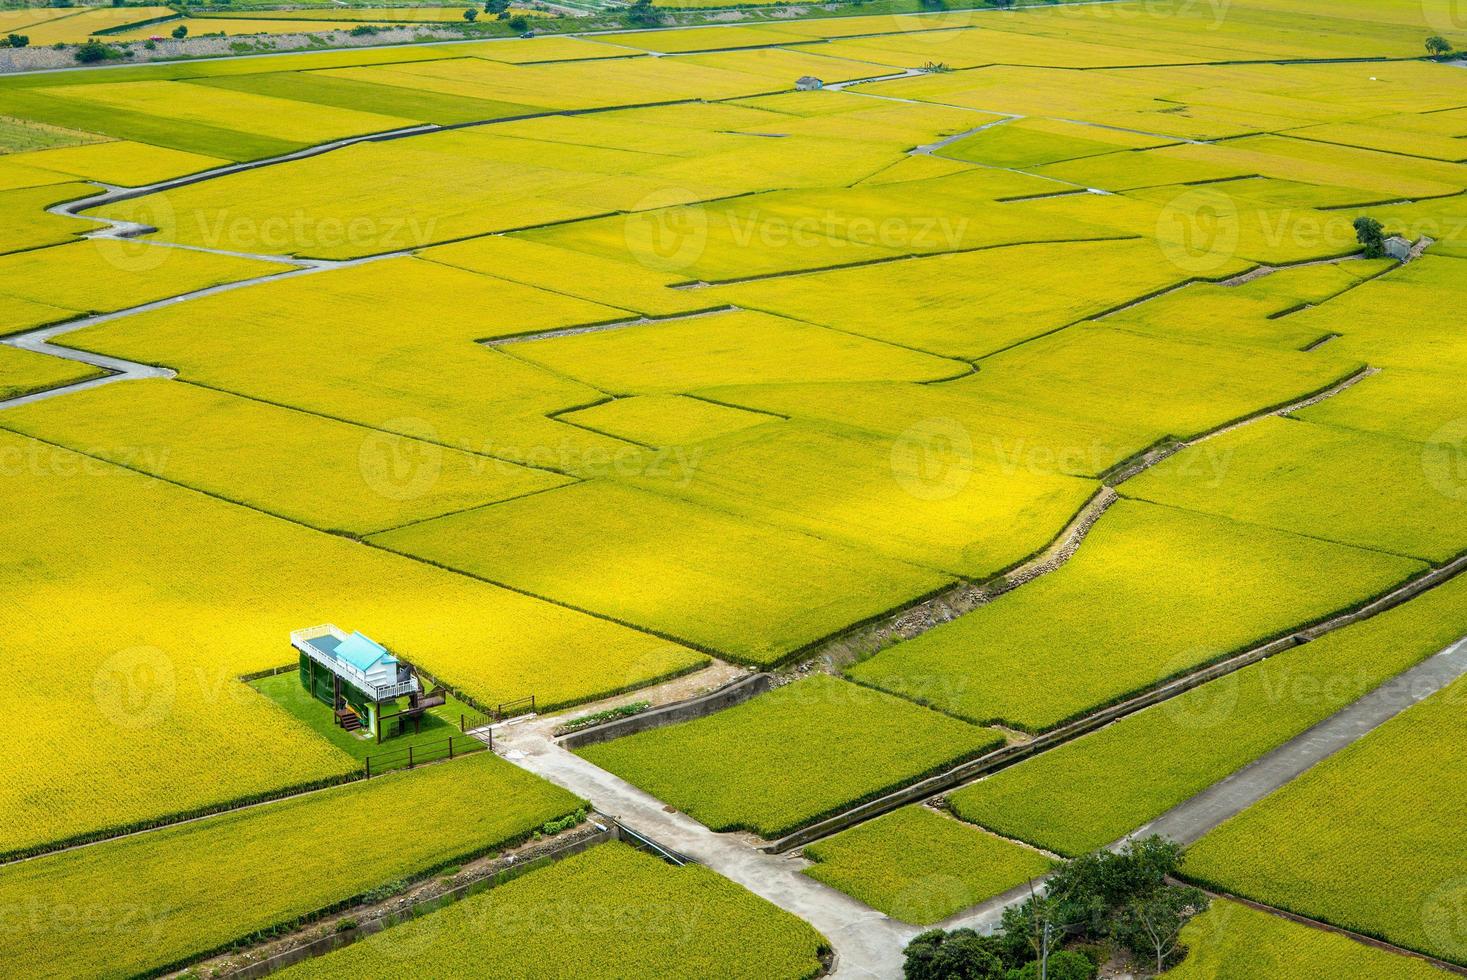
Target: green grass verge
791	757
143	903
919	866
609	912
1370	839
1094	790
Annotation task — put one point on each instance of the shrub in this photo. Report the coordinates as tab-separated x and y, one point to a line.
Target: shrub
181	31
596	718
958	955
1063	965
95	51
566	822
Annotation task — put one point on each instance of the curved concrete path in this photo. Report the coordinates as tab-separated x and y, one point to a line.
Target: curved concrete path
869	943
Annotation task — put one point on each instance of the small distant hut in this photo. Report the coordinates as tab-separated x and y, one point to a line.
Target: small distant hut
808	83
352	674
1397	248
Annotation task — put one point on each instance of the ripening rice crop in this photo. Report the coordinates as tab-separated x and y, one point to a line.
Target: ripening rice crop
1271	473
930	497
997	432
1234	940
1368	319
1150	593
660	421
331	205
1169	387
322	89
751	590
120	162
23	371
1093	791
919	866
72	27
969	304
1387	811
610	912
161	898
1408	404
628	285
170	595
103	275
1030	142
748	767
1388	139
320	472
282	119
1256	313
25	223
427	379
725	348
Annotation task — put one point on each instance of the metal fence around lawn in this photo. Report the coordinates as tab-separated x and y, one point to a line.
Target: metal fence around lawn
425	752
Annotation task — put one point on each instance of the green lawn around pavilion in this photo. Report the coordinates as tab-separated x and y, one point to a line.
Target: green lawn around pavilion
439	724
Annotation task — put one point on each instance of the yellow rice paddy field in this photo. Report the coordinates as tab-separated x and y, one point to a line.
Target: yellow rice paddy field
997	366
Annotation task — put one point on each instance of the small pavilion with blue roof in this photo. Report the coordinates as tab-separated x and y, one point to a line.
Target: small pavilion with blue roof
353	674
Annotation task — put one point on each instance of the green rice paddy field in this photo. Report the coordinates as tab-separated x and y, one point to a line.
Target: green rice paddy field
1030	362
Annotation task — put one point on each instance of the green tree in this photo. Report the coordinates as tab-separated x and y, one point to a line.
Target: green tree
496	6
17	40
1151	924
642	12
1369	233
95	51
471	15
518	23
181	31
958	955
1436	46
